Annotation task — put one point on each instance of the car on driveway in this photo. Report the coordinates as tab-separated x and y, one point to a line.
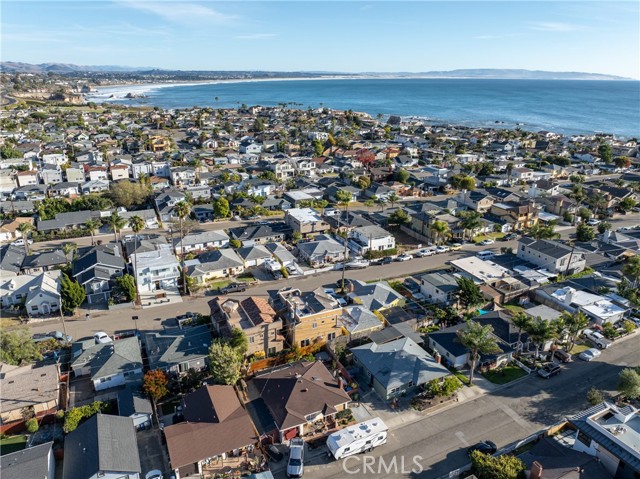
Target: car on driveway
593	222
295	466
425	252
102	338
233	288
549	370
404	257
487	242
596	338
486	447
442	249
563	356
589	354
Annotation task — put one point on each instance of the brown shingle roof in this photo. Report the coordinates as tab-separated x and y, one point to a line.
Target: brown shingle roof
258	309
222	425
297	391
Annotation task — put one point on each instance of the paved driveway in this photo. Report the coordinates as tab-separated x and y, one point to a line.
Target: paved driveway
152	453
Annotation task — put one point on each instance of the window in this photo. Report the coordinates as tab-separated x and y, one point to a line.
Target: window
584	439
252	339
314	325
410	384
331	336
271	351
34	308
305	342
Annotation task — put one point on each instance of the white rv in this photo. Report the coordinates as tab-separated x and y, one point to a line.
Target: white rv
358	438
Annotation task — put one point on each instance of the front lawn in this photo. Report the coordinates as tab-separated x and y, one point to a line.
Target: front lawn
493	236
504	375
13	444
578	348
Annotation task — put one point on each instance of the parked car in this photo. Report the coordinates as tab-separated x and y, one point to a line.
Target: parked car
455	246
486	447
596	338
387	260
510	236
404	257
563	356
590	354
155	474
273	454
425	252
277	274
102	338
442	249
487	242
20	242
295	466
593	222
233	288
549	370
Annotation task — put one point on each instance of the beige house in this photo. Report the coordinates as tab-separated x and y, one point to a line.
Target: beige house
28	387
306	221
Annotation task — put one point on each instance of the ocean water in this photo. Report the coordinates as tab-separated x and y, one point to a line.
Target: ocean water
563	106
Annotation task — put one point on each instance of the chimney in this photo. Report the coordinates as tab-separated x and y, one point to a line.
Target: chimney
536	470
568	298
605	237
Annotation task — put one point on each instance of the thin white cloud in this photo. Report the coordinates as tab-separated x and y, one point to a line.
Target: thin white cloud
178	12
555	27
256	36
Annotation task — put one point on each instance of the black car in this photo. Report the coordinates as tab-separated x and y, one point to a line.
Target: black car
273	454
549	370
234	288
485	447
387	260
510	236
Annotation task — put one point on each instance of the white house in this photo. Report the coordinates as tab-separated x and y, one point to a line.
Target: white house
40	292
551	255
439	287
371	238
155	270
202	241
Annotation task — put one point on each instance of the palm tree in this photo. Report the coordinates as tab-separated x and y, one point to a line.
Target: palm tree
92	226
574	324
393	198
182	210
439	229
381	202
541	331
116	222
24	229
137	224
632	269
344	198
478	340
470	221
521	321
542	232
67	249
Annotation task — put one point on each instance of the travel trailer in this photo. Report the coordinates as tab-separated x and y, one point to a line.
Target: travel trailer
358	438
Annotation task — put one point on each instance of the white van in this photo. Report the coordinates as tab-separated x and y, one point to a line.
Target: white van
358	438
486	254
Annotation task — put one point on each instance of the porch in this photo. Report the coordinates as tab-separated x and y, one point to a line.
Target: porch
247	461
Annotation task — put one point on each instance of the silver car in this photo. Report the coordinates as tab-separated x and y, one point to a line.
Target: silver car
295	466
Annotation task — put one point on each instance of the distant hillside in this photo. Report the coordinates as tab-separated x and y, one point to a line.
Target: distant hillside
18	67
66	68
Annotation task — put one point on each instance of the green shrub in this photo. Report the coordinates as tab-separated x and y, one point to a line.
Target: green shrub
75	415
32	425
595	396
485	466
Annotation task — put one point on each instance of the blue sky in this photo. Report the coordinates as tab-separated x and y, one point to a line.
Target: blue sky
384	36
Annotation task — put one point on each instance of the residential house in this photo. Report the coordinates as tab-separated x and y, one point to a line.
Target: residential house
132	403
323	249
149	216
374	296
359	321
96	270
110	365
397	367
64	221
203	213
183	176
519	215
305	221
155	270
165	202
103	446
261	234
608	432
201	192
599	309
35	462
27	178
255	317
44	261
254	255
30	192
299	396
215	264
94	186
96	173
371	238
65	188
178	350
39	293
11	258
202	241
119	172
32	387
477	200
75	174
216	427
51	174
551	255
283	169
309	317
439	287
9	230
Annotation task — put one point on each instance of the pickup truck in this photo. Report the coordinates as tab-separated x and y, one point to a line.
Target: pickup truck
233	288
596	338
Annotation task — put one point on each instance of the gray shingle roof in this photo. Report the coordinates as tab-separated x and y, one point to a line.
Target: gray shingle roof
113	358
376	295
31	463
101	444
169	348
11	258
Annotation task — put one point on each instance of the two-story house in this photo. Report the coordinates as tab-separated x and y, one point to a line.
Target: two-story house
371	238
519	215
96	270
551	255
255	317
477	200
155	270
305	221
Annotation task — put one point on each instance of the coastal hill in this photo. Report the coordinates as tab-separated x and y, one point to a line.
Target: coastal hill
479	73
